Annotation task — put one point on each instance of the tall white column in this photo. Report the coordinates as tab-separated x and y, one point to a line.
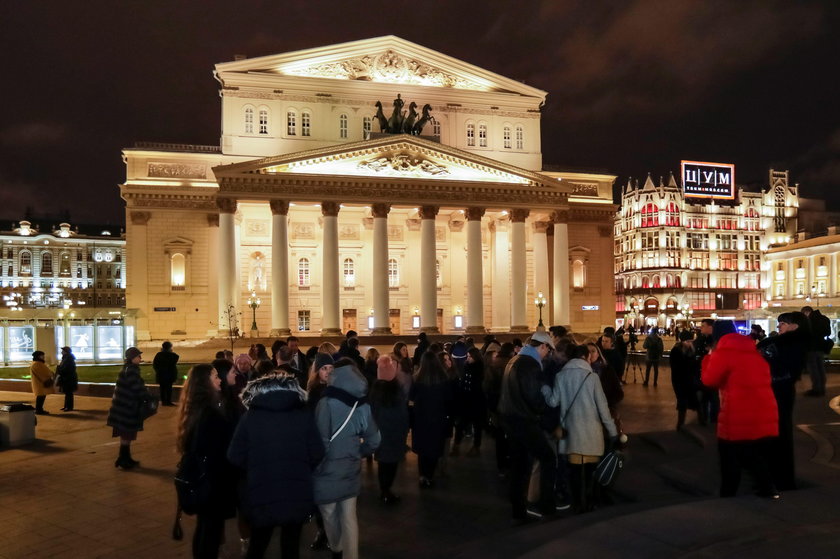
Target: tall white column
137	292
228	311
213	279
428	280
279	268
500	273
540	242
330	324
518	272
380	269
560	287
475	272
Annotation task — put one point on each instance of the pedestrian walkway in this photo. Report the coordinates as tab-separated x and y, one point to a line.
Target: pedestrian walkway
62	496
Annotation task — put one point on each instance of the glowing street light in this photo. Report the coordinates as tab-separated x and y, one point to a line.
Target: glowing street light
254	303
540	301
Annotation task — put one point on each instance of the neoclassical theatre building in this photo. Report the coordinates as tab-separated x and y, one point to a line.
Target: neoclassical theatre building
376	185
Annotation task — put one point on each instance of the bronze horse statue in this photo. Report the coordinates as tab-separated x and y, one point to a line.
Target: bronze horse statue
417	129
409	121
380	116
396	120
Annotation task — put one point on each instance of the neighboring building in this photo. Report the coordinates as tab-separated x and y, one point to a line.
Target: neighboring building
335	225
57	277
680	258
805	272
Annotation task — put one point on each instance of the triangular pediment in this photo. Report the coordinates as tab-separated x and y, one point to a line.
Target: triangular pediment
387	59
399	156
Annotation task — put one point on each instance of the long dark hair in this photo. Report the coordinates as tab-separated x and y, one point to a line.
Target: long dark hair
431	370
197	397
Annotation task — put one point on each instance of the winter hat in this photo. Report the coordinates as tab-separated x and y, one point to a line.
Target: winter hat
722	328
323	359
386	369
686	335
244	360
132	352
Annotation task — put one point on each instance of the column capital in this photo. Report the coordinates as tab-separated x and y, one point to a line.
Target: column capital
330	209
380	210
474	214
560	216
279	207
518	215
541	226
212	220
429	212
226	205
140	218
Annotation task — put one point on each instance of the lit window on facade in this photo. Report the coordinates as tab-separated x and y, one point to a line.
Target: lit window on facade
507	137
470	134
291	123
303	273
393	273
342	126
305	124
46	264
367	126
349	272
579	274
25	264
263	121
520	138
249	120
482	135
178	273
304	321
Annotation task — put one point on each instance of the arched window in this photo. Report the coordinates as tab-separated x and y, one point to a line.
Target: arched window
470	134
304	278
291	123
520	137
482	135
656	282
46	264
367	125
342	126
249	120
305	124
349	272
393	273
645	282
578	274
178	274
506	137
264	121
650	215
25	267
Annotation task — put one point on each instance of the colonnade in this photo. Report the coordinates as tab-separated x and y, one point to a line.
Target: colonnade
330	309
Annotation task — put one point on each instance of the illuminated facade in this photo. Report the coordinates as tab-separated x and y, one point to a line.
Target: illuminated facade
52	280
452	227
679	258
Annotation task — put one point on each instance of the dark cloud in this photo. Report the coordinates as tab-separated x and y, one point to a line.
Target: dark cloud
633	86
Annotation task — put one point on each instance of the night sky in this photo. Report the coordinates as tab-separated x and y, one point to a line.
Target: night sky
634	86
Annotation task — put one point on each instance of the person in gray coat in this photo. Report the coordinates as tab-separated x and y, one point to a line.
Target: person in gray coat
349	432
584	414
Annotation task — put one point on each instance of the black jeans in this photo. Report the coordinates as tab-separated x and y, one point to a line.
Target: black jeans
208	536
427	466
387	472
289	541
752	455
461	427
166	392
68	400
527	443
39	403
655	365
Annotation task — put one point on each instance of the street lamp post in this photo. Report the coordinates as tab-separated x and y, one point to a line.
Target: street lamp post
254	303
540	302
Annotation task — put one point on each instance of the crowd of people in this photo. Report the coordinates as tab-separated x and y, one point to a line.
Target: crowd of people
282	436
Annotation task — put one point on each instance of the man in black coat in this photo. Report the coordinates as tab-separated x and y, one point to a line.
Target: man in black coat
818	347
298	360
521	407
165	365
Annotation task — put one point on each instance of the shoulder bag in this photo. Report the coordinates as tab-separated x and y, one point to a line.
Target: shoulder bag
192	483
560	431
609	467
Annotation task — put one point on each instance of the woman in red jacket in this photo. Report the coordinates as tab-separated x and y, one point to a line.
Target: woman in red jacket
748	419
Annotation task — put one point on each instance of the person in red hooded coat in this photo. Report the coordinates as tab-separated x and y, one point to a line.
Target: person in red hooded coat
749	419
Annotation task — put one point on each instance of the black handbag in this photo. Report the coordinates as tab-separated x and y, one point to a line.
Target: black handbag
148	406
609	467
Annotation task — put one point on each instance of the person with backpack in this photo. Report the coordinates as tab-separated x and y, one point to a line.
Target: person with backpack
654	347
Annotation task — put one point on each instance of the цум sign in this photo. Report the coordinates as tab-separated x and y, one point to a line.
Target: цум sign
708	180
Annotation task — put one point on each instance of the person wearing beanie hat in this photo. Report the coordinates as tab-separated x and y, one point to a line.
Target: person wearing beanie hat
390	411
748	423
124	415
685	378
42	381
67	380
319	375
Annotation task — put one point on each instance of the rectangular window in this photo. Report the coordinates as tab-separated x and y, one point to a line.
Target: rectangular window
482	135
470	135
729	261
303	322
291	123
249	121
507	138
520	138
342	126
263	121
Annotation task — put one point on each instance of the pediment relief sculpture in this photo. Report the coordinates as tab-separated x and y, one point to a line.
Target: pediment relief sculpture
403	165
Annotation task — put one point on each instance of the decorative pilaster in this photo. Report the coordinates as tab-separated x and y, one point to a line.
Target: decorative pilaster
518	272
279	268
475	272
428	283
560	287
330	325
